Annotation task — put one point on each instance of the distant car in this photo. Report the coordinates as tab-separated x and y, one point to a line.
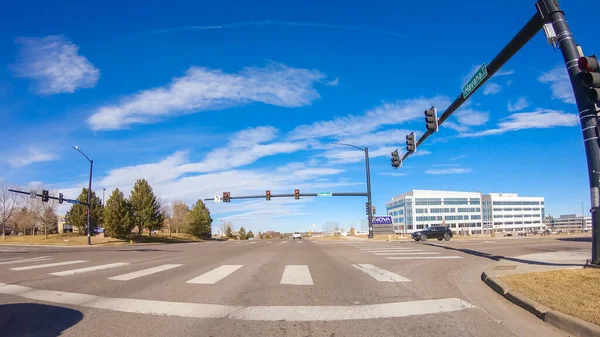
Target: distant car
297	235
435	232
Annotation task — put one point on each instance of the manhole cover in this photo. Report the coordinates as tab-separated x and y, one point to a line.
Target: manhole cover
505	267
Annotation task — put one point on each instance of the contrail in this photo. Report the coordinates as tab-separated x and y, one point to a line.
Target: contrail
278	23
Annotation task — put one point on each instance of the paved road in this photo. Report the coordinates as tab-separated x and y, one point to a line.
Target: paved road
265	288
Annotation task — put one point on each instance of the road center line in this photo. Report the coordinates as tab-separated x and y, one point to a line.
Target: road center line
296	275
48	265
143	272
215	275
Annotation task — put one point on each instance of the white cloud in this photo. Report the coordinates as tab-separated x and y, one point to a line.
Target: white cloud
539	119
504	72
379	138
520	104
386	114
467	117
448	171
55	64
558	78
31	155
491	88
392	174
461	156
333	83
202	89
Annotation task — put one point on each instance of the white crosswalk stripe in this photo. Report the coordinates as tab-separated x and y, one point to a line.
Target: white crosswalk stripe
379	274
33	259
283	242
296	275
47	265
405	253
215	275
422	257
391	250
144	272
269	242
10	258
88	269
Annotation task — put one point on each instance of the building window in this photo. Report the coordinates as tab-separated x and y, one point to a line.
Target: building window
419	226
474	201
475	217
421	210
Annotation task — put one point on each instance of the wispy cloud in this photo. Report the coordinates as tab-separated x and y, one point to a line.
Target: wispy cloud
461	156
333	83
520	104
504	72
539	119
448	171
31	155
491	88
559	84
279	23
202	89
351	125
55	64
467	117
392	174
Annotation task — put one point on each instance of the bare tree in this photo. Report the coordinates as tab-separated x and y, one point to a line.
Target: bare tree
178	217
44	213
8	206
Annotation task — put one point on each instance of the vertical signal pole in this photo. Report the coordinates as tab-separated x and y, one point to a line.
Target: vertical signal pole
551	13
370	207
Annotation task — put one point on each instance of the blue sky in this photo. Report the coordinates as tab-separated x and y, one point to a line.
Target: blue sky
204	97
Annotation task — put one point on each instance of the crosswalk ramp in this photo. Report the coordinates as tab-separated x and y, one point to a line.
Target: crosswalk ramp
290	275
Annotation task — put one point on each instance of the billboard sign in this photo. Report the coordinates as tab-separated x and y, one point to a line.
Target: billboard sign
382	220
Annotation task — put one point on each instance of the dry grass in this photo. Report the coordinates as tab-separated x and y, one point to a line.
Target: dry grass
571	291
60	239
71	239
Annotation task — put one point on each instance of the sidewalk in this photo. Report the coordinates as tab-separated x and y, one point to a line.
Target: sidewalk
540	262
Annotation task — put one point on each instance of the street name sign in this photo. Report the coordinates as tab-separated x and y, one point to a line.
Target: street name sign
324	194
477	78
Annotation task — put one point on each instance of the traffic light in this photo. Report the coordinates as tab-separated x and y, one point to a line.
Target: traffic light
591	77
374	210
60	198
45	196
411	145
297	194
431	120
226	197
367	207
268	195
396	161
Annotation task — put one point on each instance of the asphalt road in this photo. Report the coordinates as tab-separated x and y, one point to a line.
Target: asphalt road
265	288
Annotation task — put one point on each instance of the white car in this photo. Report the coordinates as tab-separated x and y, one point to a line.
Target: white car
297	235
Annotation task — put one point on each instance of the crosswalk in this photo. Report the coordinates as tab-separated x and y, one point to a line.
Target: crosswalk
395	251
291	275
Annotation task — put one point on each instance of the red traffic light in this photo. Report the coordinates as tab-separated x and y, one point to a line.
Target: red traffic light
587	63
268	192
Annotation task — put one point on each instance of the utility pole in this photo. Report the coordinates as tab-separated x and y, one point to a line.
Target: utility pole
551	13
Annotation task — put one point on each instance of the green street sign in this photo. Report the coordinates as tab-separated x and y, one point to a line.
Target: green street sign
475	81
324	194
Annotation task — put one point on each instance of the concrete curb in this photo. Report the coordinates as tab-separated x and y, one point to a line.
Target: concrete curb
570	324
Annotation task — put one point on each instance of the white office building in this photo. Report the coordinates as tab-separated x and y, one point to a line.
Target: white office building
569	222
467	212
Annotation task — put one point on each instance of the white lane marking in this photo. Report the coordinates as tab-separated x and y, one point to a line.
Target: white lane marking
269	242
144	272
422	257
405	253
258	313
252	243
48	265
88	269
298	241
379	274
489	242
10	258
296	275
392	250
215	275
33	259
283	242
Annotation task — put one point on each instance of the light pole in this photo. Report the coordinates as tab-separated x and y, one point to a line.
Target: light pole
103	190
368	171
89	201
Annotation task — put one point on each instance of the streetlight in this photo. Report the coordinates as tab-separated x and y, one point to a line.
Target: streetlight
89	201
368	171
103	190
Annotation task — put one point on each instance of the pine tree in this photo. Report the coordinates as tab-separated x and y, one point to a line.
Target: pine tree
199	221
250	235
118	215
146	207
77	217
242	233
228	232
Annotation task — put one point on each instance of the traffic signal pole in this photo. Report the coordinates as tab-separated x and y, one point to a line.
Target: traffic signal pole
370	210
550	12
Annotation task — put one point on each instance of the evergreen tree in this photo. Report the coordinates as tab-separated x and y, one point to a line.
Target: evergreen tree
199	221
118	215
250	235
242	233
77	217
146	207
228	232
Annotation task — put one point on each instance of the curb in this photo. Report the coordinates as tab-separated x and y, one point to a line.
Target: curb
568	323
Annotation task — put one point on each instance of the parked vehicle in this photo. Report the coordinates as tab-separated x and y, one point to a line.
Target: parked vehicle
435	232
297	235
